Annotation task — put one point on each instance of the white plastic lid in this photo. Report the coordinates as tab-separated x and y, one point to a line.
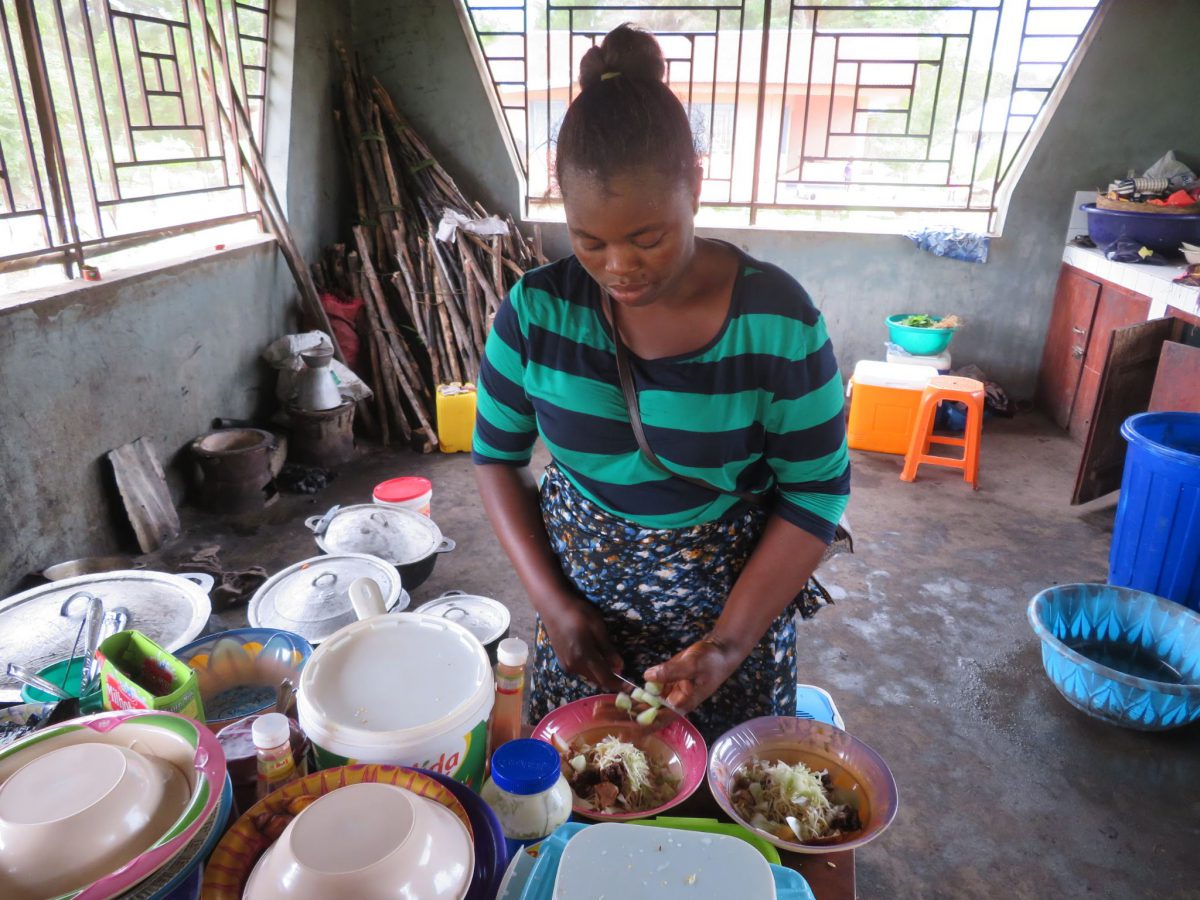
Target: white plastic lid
512	652
271	730
674	864
892	375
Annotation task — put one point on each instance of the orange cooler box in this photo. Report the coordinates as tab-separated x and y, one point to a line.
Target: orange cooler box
884	398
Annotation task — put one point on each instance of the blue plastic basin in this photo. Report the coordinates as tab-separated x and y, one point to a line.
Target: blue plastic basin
1161	232
1120	655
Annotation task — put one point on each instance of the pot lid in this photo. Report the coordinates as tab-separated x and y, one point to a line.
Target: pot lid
38	626
311	598
399	536
484	617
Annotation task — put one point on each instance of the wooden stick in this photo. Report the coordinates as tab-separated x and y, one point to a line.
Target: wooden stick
394	339
474	319
452	368
469	262
498	261
462	334
255	168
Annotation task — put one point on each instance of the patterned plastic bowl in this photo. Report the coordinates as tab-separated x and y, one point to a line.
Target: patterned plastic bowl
593	718
860	777
1120	655
243	678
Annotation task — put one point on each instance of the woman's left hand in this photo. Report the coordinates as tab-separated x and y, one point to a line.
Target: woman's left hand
693	675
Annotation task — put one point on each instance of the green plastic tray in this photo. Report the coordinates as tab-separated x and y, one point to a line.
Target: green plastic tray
712	826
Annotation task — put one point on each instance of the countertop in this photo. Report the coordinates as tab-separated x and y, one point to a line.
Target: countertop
1153	281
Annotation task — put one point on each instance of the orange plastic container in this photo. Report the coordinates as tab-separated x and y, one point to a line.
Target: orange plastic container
884	401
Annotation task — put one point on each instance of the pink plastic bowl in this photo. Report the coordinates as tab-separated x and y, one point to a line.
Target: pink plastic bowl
595	717
859	775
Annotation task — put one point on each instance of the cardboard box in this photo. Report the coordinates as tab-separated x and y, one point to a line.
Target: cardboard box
136	673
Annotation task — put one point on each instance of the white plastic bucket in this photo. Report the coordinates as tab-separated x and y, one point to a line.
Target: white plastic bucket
408	492
400	689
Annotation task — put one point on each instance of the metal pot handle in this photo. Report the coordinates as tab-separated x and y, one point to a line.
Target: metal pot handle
203	579
445	546
453	592
318	524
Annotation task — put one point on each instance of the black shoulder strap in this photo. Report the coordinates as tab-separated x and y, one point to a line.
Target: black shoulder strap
635	417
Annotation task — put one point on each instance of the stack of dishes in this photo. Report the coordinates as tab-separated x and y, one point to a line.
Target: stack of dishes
138	796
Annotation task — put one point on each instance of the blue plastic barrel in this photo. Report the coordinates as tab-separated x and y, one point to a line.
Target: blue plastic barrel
1156	538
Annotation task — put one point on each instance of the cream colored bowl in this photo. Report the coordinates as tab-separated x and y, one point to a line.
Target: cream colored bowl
368	841
75	814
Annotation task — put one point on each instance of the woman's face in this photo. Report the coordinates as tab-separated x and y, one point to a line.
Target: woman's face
634	234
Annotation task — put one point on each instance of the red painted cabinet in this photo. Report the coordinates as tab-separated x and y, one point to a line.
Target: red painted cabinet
1086	313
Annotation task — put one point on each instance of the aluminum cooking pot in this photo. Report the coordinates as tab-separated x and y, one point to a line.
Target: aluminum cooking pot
408	540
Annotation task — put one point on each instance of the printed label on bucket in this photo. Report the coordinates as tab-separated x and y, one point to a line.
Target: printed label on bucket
462	759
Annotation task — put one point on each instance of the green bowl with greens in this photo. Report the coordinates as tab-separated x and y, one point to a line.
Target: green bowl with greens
919	339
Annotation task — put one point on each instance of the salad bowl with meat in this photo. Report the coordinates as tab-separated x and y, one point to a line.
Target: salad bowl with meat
619	769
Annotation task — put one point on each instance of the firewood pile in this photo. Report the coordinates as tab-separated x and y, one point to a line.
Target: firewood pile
429	301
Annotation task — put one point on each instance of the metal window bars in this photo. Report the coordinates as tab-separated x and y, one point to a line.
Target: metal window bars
869	108
109	122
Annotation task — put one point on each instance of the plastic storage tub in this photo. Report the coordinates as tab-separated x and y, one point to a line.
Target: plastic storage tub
402	689
884	399
1156	538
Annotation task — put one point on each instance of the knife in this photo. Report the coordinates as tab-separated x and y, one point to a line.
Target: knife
665	704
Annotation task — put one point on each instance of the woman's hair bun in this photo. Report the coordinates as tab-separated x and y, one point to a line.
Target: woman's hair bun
626	50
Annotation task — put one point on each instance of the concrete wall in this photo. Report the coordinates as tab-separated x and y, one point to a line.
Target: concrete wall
1125	107
158	353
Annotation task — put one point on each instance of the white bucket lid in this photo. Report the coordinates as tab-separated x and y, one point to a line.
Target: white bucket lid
393	680
892	375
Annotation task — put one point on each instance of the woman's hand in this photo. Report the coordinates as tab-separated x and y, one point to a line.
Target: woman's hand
580	640
693	675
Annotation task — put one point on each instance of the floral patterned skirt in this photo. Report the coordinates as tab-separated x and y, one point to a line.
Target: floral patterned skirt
660	590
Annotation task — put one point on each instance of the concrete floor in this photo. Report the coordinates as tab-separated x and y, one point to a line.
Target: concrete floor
1006	791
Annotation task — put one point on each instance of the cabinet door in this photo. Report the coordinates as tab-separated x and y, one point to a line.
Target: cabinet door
1075	301
1117	308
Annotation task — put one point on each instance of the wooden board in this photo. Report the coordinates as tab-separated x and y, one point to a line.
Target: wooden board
144	489
1177	381
1126	383
1075	301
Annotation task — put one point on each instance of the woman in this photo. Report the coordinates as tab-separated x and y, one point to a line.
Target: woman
644	559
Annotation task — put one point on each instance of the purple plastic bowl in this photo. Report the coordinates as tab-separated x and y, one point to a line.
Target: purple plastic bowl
1161	232
491	851
859	775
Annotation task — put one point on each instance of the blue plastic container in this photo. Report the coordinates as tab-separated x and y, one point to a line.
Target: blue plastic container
1161	232
1156	538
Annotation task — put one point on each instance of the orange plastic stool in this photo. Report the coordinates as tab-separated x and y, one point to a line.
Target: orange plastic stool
947	387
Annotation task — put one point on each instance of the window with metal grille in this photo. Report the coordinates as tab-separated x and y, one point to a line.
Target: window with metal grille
111	122
833	114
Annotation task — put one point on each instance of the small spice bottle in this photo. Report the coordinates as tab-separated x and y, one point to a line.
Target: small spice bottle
527	791
272	744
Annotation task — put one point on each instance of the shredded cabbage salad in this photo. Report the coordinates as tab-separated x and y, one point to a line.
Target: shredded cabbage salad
766	793
614	776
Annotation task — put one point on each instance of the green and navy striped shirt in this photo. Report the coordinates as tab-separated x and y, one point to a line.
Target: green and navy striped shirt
759	406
